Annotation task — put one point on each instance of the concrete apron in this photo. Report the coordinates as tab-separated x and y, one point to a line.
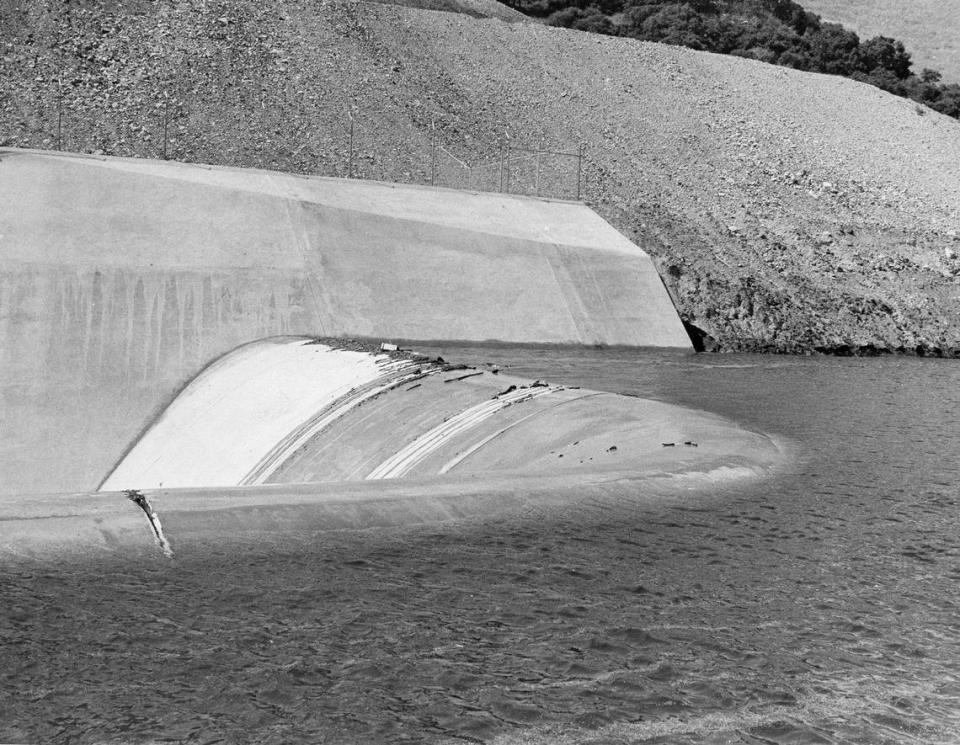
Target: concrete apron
167	524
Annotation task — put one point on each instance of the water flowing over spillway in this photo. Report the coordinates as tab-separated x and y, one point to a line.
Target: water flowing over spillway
323	435
122	279
296	410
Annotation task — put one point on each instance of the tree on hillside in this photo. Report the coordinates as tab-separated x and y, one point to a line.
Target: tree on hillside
885	53
676	24
833	50
582	19
781	32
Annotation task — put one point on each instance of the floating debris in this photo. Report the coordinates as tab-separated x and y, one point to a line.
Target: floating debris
464	377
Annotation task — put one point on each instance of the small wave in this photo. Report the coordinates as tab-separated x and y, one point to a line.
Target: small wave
814	718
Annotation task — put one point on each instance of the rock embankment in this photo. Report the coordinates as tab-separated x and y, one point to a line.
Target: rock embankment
787	211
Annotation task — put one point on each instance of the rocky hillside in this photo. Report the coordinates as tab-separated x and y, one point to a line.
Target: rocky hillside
787	211
929	28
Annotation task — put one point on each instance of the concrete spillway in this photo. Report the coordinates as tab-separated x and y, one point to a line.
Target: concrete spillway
121	279
158	343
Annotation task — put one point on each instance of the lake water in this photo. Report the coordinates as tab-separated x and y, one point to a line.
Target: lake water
820	606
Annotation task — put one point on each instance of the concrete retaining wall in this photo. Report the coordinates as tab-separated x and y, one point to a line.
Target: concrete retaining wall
121	279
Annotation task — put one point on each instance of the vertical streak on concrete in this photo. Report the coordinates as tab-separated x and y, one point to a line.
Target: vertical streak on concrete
129	296
571	296
591	294
62	286
139	325
216	298
85	303
39	294
146	328
5	322
205	313
198	295
179	296
160	303
105	330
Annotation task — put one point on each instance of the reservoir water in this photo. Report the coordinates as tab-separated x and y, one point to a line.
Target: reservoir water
818	606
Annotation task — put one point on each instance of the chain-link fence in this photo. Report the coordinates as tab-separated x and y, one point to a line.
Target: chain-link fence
166	128
517	170
192	82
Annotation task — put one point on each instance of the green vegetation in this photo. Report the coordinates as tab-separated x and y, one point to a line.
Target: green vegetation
930	29
780	32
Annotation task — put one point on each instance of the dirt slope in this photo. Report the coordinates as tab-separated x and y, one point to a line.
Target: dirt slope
930	29
787	211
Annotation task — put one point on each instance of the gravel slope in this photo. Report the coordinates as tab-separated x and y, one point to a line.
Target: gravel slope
787	211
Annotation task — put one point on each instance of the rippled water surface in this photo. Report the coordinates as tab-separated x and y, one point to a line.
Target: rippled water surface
817	607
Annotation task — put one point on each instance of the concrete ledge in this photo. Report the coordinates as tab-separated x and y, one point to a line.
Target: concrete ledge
107	525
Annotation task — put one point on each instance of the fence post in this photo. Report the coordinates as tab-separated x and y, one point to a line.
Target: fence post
433	152
539	151
507	179
166	119
60	112
350	160
501	166
580	148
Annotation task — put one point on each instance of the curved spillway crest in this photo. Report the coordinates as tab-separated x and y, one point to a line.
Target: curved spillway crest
243	416
297	410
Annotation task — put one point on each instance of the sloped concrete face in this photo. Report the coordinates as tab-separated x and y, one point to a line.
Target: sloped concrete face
120	280
347	257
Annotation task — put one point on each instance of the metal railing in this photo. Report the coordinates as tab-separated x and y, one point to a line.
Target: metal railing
517	170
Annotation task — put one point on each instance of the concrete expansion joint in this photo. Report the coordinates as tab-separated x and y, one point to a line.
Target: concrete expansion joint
140	499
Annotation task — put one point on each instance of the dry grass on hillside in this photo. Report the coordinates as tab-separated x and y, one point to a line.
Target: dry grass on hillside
787	211
930	29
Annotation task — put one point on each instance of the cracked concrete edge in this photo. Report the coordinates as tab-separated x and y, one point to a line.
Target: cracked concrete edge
140	499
